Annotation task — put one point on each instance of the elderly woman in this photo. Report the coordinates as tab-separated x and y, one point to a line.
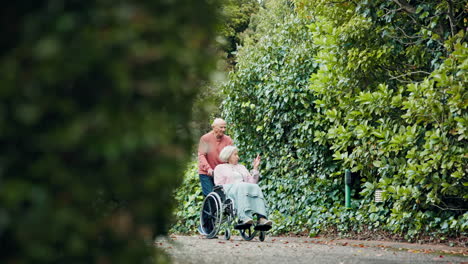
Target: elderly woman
241	186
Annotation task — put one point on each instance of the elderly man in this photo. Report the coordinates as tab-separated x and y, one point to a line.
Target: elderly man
209	148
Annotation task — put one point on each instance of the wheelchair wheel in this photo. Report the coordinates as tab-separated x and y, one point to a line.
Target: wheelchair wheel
227	234
262	235
211	215
248	233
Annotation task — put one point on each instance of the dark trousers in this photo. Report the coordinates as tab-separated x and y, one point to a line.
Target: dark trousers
207	184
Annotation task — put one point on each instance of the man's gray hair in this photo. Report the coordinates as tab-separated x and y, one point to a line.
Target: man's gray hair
226	153
217	121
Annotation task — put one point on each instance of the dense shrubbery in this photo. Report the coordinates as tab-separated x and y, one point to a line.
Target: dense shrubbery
275	148
386	118
189	201
322	87
95	103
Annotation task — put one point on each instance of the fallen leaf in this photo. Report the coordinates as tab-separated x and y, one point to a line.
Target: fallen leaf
382	246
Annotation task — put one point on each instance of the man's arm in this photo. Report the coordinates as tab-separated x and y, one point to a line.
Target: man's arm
202	161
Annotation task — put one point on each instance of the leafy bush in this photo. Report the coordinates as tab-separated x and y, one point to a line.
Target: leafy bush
322	87
406	139
277	60
94	112
189	199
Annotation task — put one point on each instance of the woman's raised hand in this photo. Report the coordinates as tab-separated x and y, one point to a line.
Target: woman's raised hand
256	162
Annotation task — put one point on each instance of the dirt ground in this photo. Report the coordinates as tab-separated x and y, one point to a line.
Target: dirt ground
291	250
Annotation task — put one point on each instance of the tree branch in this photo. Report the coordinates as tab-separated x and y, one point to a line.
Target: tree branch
405	6
451	18
409	73
449	209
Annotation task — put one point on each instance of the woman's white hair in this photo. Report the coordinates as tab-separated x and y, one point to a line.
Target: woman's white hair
226	153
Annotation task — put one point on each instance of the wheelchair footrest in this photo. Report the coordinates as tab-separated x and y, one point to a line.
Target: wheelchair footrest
262	227
242	226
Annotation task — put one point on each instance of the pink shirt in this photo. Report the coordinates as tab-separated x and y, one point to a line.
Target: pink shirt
208	151
229	174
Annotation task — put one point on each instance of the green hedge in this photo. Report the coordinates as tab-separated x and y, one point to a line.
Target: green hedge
401	129
322	87
189	199
95	104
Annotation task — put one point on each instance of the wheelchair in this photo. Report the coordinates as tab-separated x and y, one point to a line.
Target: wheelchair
218	212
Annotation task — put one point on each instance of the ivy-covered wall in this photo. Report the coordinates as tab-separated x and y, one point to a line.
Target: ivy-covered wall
322	87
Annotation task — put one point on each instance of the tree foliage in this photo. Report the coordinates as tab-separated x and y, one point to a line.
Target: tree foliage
236	16
95	105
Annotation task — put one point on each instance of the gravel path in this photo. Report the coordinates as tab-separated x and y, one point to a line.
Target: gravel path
292	250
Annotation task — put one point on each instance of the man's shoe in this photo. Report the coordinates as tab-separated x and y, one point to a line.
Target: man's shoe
264	221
